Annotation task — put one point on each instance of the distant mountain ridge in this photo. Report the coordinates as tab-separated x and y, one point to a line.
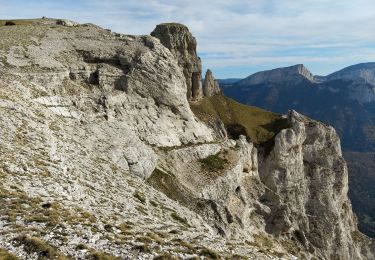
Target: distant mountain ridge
347	93
228	81
344	99
364	72
278	75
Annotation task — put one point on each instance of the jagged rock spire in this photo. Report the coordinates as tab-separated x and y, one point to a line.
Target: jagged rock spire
210	85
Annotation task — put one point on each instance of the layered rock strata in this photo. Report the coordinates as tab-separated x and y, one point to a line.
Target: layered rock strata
177	38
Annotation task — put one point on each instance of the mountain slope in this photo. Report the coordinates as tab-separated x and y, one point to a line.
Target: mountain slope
280	75
361	191
102	157
342	101
363	72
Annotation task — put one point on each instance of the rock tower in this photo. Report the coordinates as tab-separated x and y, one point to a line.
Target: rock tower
210	85
178	39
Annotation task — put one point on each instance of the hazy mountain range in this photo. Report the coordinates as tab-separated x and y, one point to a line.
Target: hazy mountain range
344	99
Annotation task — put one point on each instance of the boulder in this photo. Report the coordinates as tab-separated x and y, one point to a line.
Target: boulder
67	23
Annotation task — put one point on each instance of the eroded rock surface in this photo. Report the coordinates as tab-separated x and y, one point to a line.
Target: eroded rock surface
177	38
210	85
307	185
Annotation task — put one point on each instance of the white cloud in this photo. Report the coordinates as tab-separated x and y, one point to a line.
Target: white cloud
237	32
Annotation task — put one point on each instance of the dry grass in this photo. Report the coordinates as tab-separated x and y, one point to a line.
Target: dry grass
140	196
215	162
40	247
176	217
5	255
163	181
209	253
16	22
258	125
96	255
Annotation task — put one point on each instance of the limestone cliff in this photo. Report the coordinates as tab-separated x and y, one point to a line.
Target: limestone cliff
177	38
102	155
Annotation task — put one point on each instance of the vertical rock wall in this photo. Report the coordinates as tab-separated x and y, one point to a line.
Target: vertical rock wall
177	38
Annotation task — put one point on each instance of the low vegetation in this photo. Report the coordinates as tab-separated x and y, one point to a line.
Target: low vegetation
259	125
166	256
5	255
215	162
182	220
141	197
40	247
96	255
209	253
163	181
14	22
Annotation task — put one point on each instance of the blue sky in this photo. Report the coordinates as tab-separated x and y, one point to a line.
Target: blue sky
236	37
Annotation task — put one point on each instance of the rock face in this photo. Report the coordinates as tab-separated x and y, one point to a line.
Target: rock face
67	23
177	38
307	184
345	99
101	151
290	193
363	72
210	85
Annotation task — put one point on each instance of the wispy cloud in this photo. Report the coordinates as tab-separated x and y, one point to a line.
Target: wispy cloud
236	37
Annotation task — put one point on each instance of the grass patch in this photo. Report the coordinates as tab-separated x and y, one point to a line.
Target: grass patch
15	22
182	220
101	256
144	239
183	243
40	247
142	248
125	228
257	124
170	186
140	197
211	254
166	256
153	203
214	162
81	247
263	241
141	210
5	255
